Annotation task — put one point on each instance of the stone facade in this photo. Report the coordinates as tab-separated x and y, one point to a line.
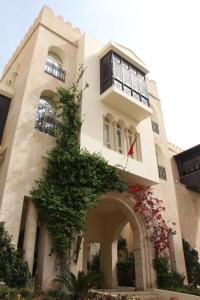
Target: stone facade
49	56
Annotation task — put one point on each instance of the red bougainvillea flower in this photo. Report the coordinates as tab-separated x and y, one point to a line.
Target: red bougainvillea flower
150	208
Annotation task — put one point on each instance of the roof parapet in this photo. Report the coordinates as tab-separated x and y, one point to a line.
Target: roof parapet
48	19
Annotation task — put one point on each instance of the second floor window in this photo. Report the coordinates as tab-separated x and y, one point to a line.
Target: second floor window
45	117
54	66
119	139
107	133
115	70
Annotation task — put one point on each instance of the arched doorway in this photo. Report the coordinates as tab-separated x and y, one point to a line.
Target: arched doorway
103	227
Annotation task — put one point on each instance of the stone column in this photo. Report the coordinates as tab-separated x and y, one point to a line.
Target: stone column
108	263
30	235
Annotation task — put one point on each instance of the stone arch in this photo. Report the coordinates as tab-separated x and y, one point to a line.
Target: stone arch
104	224
57	55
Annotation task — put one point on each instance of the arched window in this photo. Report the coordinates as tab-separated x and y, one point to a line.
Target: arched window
119	139
107	133
45	117
134	137
54	59
161	162
54	66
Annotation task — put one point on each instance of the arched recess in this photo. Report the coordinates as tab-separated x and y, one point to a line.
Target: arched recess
108	138
120	136
154	120
161	162
46	112
104	224
134	135
55	62
159	155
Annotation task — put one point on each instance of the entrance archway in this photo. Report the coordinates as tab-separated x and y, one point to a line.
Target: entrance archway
103	226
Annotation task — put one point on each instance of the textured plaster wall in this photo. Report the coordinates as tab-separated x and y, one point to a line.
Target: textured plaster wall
93	111
165	190
24	161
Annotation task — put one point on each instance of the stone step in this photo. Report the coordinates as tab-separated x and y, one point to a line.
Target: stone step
143	295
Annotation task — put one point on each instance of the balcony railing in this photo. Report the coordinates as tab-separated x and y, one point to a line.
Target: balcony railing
155	127
162	172
125	76
55	71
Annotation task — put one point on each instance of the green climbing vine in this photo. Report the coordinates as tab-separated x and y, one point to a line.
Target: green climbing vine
73	178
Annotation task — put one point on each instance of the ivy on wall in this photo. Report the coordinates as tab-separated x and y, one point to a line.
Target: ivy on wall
73	178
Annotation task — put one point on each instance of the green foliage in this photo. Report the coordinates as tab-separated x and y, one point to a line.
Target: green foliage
73	178
126	273
78	286
14	293
13	270
167	278
192	264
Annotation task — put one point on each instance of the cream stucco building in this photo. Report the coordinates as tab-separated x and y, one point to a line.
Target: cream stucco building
121	102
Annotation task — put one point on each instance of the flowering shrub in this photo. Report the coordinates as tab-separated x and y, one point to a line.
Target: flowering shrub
151	208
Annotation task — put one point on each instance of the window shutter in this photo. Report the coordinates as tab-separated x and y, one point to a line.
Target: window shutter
4	108
105	72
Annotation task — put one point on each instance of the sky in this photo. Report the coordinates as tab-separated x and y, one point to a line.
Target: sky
163	33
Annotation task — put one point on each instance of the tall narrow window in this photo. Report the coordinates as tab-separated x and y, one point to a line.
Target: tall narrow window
119	137
132	137
4	108
107	133
45	117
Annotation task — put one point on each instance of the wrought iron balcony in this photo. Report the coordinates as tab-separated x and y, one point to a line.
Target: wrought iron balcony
155	127
55	71
188	163
162	172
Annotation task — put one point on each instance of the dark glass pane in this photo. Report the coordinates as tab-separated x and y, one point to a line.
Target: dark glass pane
116	57
4	108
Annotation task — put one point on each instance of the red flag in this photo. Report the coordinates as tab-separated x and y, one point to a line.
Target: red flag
131	150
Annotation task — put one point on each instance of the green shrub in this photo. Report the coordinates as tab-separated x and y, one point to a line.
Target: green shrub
13	293
13	270
167	278
192	264
77	286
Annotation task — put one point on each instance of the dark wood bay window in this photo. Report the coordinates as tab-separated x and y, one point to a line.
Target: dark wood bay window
4	108
114	70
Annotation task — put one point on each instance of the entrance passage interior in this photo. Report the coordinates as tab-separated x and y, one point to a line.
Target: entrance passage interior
114	244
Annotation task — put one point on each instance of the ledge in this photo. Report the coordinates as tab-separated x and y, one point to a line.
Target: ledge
125	103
